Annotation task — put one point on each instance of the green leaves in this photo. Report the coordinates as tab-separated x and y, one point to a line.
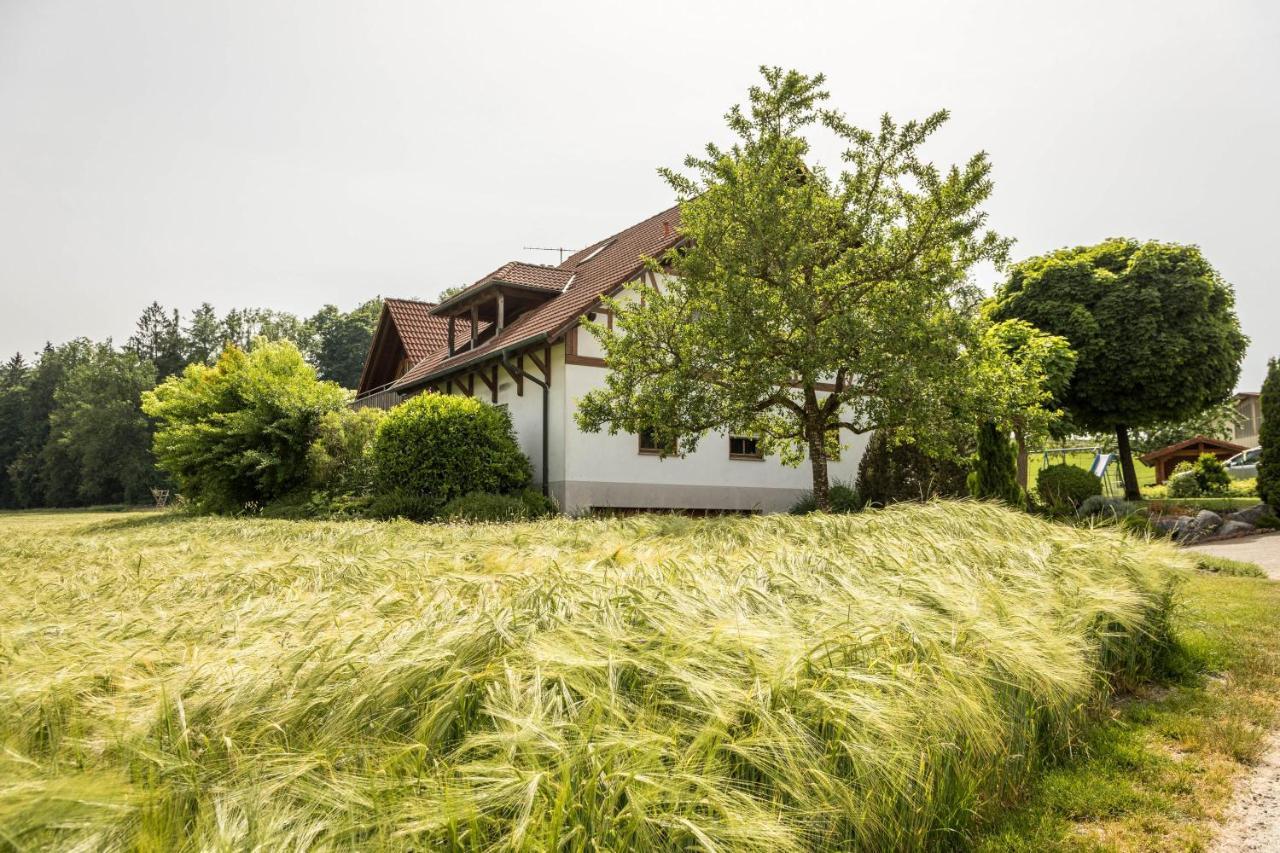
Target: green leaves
1269	437
238	432
804	303
1153	326
435	448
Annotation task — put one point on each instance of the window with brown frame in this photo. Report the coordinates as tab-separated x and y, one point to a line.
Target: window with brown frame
649	444
744	447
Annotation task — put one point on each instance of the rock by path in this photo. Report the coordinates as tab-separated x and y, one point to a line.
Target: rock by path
1263	550
1253	823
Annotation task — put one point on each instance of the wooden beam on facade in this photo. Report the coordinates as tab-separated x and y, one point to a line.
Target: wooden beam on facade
492	386
451	333
544	366
475	324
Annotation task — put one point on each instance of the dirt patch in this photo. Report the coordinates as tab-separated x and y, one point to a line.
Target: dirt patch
1253	822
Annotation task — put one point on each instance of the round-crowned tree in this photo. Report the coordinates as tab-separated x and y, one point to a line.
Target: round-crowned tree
437	447
1153	327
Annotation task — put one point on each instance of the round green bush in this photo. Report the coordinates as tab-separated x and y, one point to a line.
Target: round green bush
1065	485
435	448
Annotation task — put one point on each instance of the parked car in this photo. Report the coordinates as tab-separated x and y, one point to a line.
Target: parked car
1244	465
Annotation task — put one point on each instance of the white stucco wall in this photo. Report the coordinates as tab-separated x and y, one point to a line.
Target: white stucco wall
603	470
526	412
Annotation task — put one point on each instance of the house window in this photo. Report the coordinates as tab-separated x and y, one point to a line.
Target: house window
744	447
649	444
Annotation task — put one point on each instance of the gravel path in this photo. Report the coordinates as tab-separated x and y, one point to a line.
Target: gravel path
1263	550
1253	823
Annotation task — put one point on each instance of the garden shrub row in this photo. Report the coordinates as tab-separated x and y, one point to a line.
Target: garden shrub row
259	432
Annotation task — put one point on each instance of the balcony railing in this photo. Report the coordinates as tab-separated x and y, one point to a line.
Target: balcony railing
381	397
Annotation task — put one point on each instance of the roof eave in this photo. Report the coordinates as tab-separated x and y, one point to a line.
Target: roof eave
496	352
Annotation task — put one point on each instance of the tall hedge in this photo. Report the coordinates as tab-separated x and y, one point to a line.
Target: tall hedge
437	447
1269	437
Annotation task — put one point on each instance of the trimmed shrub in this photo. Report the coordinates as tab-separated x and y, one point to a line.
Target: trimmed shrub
1212	475
892	472
995	469
483	506
1269	437
340	459
1107	507
1065	486
1206	478
236	434
439	447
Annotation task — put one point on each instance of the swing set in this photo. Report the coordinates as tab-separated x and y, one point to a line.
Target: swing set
1102	467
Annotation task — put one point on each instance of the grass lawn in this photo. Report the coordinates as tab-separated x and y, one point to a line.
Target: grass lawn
1162	768
921	677
1083	459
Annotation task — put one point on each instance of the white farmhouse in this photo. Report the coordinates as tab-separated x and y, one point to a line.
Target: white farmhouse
513	338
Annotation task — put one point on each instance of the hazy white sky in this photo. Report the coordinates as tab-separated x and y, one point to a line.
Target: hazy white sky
288	154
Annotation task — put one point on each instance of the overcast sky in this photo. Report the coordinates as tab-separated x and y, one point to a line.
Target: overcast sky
289	154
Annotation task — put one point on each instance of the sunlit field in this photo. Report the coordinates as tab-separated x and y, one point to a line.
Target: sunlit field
882	681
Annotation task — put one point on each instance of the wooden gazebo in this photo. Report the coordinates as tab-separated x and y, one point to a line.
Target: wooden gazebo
1166	459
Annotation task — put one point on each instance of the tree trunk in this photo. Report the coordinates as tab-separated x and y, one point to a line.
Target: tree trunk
818	461
1022	458
1131	492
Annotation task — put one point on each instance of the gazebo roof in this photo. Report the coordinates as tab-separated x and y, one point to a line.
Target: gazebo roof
1199	442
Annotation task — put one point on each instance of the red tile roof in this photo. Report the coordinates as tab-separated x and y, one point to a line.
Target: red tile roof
421	332
584	277
520	274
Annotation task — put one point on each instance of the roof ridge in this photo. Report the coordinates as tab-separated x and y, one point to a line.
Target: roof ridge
619	233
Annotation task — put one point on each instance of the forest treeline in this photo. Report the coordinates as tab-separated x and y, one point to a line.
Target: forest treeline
72	431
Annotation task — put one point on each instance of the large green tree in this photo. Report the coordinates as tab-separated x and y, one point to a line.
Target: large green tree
1153	326
38	478
205	335
13	394
98	428
1031	370
802	303
158	339
340	341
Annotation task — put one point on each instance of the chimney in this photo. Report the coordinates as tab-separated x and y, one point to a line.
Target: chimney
666	228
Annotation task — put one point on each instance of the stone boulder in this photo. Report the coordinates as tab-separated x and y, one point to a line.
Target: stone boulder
1181	528
1251	515
1206	522
1235	528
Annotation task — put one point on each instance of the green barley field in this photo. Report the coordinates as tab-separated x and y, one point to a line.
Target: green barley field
890	680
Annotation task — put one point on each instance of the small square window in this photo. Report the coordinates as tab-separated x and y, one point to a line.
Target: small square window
744	447
649	444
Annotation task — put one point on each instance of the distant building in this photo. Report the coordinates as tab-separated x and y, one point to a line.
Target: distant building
1249	418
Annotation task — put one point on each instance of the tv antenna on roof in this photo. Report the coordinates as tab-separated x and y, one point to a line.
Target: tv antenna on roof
560	249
